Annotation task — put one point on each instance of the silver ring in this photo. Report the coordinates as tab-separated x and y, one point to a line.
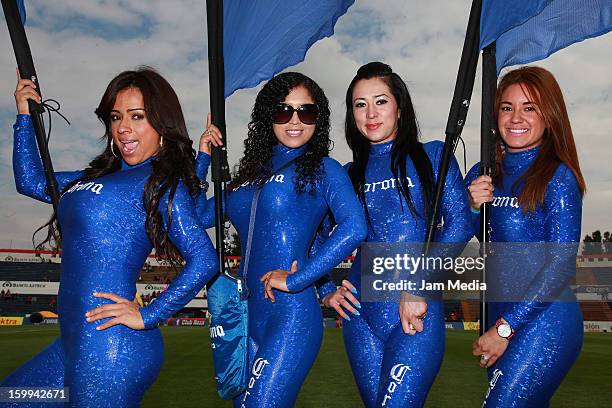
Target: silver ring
484	358
410	326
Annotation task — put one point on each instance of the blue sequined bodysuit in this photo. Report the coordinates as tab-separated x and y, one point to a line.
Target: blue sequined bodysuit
105	246
382	356
285	336
527	276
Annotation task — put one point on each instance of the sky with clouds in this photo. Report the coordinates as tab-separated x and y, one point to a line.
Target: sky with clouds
78	46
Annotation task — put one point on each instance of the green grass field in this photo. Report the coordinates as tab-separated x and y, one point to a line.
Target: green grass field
187	380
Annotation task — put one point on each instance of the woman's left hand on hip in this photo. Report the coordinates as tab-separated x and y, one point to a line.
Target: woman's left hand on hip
123	311
276	279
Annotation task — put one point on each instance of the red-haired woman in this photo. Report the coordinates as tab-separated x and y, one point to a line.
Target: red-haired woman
535	325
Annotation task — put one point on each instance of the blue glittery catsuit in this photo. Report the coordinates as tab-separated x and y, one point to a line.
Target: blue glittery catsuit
548	334
104	248
285	336
392	368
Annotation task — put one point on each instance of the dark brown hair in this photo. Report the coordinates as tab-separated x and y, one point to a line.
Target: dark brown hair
175	160
256	164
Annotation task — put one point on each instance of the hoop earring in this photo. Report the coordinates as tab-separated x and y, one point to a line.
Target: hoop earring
111	147
161	141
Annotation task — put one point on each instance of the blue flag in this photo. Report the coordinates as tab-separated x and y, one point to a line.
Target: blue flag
531	30
22	12
263	37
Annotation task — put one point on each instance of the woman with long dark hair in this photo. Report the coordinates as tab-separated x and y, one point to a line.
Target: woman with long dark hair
135	196
535	324
395	348
286	156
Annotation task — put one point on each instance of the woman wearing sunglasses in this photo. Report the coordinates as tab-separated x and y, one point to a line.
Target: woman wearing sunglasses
535	324
286	157
395	348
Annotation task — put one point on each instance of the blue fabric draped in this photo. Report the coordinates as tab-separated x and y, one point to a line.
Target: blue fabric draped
531	30
22	12
263	37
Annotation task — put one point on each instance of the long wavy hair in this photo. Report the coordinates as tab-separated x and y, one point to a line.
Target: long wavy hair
557	143
174	162
406	143
256	164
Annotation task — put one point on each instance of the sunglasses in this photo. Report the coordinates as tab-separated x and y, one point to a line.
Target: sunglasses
307	113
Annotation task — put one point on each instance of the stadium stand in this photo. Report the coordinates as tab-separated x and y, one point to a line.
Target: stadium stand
26	304
596	310
41	272
30	271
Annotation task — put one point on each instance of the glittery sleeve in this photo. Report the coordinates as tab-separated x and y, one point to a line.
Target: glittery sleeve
325	284
190	238
455	207
454	210
205	207
473	217
563	209
27	165
350	231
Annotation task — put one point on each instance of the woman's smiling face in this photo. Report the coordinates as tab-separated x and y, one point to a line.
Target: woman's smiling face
519	119
295	133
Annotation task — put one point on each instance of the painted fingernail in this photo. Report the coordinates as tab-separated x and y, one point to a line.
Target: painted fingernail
358	305
357	313
354	290
347	318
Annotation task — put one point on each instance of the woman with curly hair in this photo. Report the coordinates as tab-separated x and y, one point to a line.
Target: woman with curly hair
135	196
395	345
535	325
286	156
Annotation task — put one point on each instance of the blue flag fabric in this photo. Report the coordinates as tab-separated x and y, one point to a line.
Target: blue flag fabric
22	12
263	37
531	30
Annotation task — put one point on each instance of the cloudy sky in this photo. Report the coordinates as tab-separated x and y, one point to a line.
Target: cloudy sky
78	46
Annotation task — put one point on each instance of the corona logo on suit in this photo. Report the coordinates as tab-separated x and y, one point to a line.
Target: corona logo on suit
258	367
396	374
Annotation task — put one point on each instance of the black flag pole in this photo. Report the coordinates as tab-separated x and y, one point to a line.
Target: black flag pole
458	110
488	141
25	64
216	78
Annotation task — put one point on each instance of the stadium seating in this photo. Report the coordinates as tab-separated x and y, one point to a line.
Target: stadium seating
29	271
598	311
